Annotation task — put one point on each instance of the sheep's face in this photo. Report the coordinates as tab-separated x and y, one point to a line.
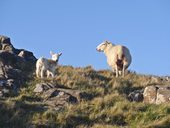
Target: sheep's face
101	47
55	56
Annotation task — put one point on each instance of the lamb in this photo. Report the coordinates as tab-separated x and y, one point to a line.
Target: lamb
47	66
118	56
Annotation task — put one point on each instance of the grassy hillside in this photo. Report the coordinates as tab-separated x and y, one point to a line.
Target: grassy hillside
104	104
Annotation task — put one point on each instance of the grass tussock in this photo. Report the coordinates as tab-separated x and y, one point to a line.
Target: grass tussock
104	104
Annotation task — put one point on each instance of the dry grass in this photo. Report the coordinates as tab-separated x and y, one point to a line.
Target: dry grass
104	105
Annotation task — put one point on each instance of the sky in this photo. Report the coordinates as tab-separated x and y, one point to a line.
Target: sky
76	27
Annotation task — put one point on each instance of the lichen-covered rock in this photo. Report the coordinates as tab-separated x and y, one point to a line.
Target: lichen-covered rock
157	94
163	95
149	94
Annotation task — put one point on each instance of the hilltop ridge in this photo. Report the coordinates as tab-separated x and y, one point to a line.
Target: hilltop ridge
78	96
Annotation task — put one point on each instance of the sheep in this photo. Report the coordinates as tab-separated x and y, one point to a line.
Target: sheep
118	56
47	66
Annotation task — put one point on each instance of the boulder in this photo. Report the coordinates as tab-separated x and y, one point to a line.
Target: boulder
136	96
163	95
157	94
149	94
55	97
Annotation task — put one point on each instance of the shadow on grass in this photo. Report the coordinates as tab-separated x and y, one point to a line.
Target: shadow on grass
17	113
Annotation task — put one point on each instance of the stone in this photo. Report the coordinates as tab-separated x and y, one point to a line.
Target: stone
59	99
41	87
28	56
3	74
163	95
5	39
149	94
155	79
157	94
136	96
14	68
55	97
5	44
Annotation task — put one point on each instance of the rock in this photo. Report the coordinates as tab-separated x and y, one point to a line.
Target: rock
149	94
57	98
3	74
15	67
155	79
136	96
157	94
7	87
41	87
28	56
5	44
167	78
163	95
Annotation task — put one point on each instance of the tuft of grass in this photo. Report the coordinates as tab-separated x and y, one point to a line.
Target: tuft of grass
103	103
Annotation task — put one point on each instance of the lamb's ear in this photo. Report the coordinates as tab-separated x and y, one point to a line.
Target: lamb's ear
51	53
60	53
108	42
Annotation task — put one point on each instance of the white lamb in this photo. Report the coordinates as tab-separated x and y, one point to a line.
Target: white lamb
118	56
47	66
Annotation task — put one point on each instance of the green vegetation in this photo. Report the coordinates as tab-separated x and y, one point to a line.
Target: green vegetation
104	104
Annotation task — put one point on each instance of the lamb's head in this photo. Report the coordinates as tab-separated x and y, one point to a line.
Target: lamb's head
55	56
105	44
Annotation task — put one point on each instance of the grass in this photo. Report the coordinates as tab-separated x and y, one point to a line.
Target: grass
103	105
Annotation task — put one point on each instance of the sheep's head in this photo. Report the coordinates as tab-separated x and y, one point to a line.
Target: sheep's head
55	56
101	47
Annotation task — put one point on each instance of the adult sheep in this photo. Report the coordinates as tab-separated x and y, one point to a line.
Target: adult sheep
47	66
118	56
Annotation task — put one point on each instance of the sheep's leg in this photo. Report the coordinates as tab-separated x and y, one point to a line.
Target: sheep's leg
117	72
125	64
123	71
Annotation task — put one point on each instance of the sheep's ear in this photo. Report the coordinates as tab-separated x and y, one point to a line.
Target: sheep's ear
51	53
60	53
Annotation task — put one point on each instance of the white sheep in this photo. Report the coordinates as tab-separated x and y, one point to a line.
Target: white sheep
47	66
118	56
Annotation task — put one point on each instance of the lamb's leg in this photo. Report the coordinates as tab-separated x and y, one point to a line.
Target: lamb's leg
42	72
38	72
49	74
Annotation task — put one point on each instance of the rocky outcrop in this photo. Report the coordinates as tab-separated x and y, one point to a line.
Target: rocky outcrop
157	94
15	65
5	44
55	97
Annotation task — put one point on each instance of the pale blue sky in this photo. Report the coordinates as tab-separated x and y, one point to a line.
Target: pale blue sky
76	27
